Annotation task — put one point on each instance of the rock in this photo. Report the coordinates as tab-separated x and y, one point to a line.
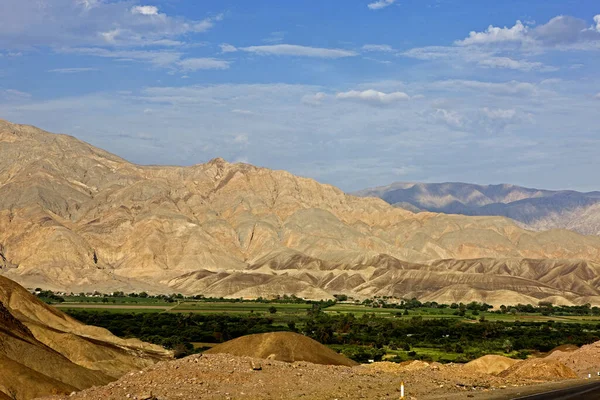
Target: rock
255	365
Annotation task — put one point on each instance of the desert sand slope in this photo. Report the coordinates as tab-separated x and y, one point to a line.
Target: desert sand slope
29	368
539	369
76	218
490	364
282	346
43	350
584	361
537	209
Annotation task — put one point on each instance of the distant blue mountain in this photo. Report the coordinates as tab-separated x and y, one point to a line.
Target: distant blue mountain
534	208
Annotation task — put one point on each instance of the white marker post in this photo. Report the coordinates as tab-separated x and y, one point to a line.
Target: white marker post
402	390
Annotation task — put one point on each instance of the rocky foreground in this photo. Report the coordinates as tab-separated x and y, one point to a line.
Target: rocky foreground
222	376
231	374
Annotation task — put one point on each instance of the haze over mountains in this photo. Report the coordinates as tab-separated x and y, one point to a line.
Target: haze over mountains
536	209
74	217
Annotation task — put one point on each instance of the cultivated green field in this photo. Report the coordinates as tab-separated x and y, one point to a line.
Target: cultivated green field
286	311
241	307
125	300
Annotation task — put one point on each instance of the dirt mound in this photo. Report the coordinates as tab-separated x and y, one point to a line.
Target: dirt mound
386	366
43	351
282	346
565	348
539	369
584	361
490	364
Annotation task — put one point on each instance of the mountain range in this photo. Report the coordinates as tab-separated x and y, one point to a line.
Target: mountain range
76	218
533	208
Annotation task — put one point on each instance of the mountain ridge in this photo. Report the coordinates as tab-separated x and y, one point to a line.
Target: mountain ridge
98	222
536	209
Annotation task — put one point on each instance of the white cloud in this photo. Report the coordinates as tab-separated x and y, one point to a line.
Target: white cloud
275	37
598	96
241	111
499	113
110	36
301	51
597	21
77	23
432	53
195	64
145	10
160	58
373	96
241	139
561	32
72	70
386	62
227	48
377	5
449	117
314	99
496	35
385	48
509	63
13	94
501	88
88	4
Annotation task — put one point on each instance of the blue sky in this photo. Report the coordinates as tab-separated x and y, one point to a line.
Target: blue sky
353	93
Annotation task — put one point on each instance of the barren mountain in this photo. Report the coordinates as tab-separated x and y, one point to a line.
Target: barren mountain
43	351
536	209
73	217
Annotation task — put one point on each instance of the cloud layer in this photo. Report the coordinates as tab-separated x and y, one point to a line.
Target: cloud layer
493	103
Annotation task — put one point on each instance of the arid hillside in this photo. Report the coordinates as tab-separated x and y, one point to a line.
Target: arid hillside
43	351
73	217
533	208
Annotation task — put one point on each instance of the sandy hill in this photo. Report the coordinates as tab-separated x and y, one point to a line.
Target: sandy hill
536	209
43	351
76	218
490	364
584	361
282	346
539	369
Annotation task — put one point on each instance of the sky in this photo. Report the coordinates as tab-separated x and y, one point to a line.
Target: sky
355	93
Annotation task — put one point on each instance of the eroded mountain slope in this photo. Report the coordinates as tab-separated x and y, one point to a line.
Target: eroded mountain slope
43	351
